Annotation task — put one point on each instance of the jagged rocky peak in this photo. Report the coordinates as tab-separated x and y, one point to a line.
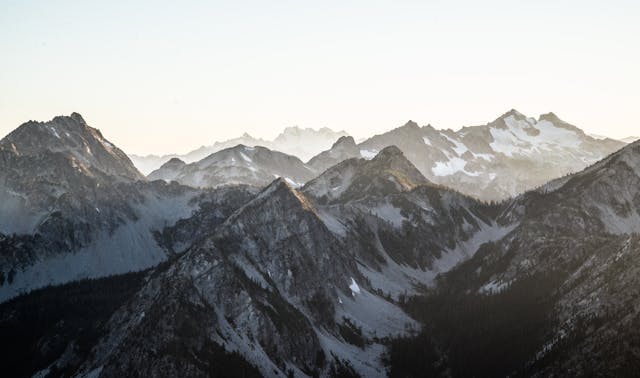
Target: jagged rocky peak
501	122
391	152
551	117
345	141
173	163
280	188
514	113
411	124
391	159
296	131
344	148
556	121
72	137
389	171
78	118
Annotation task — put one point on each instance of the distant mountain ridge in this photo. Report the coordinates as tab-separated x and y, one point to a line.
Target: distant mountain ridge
501	159
492	162
301	142
356	263
257	166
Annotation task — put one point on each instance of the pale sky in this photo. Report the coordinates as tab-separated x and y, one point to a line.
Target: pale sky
169	76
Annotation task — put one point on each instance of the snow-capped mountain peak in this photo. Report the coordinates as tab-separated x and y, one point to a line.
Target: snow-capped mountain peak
507	156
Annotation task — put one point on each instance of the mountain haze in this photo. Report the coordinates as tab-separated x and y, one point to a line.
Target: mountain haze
241	164
301	142
379	258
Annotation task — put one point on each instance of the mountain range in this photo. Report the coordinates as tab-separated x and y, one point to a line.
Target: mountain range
301	142
241	164
492	162
495	161
379	258
74	206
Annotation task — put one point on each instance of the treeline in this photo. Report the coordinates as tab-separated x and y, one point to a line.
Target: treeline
38	327
472	334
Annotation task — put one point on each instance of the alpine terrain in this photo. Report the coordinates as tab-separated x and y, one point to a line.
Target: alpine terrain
303	143
73	206
495	161
379	258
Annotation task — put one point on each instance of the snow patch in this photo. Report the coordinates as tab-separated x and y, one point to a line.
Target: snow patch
368	154
515	140
293	183
245	158
451	167
355	289
458	147
54	131
493	287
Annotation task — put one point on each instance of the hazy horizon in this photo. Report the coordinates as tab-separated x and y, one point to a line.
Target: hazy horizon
158	77
269	139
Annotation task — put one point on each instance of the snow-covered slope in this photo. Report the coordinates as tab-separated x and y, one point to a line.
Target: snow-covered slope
237	165
496	161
